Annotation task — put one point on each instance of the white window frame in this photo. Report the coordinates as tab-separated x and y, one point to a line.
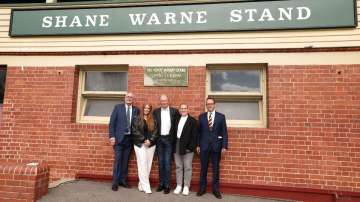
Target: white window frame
241	96
83	95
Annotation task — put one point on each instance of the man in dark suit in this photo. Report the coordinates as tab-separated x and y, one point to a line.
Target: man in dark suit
212	141
166	118
120	138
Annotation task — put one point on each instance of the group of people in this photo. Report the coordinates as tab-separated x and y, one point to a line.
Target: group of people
173	133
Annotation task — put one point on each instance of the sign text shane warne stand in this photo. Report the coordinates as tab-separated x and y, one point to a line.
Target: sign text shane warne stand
265	15
171	18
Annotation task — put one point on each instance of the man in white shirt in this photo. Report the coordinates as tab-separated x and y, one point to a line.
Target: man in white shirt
166	118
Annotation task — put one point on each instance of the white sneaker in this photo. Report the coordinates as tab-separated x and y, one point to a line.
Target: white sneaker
185	191
148	191
140	187
177	189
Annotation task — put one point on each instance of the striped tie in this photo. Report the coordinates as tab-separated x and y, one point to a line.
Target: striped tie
210	121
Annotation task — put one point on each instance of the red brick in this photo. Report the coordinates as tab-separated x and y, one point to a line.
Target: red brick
310	110
22	186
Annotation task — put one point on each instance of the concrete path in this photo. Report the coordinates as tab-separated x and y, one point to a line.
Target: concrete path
92	191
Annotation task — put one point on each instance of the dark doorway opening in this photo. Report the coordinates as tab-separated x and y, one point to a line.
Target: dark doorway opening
2	87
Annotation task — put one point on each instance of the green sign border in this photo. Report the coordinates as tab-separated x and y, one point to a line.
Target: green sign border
217	28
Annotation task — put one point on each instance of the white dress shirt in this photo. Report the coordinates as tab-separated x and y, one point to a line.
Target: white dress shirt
165	121
181	125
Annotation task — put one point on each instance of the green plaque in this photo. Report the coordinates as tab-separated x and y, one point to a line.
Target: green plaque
165	76
201	17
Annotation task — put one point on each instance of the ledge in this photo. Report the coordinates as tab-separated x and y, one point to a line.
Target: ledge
23	182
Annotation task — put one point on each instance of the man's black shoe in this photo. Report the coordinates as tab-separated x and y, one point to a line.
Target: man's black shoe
166	190
160	188
217	194
124	184
200	192
114	187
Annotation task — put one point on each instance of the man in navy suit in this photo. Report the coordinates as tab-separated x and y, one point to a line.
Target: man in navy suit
120	138
212	141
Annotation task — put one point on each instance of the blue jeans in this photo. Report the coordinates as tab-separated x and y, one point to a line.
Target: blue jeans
164	149
121	161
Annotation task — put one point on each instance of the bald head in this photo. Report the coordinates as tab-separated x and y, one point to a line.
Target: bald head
164	101
129	97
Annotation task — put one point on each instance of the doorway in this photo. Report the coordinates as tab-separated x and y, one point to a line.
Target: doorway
2	87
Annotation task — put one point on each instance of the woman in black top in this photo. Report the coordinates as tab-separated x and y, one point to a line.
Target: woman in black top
144	130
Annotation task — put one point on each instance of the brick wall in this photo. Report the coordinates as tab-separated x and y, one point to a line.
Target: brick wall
23	183
312	139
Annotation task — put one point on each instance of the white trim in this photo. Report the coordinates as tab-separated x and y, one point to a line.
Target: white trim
83	95
261	97
310	58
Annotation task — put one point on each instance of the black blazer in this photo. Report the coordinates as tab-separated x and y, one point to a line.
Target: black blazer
138	132
174	116
188	136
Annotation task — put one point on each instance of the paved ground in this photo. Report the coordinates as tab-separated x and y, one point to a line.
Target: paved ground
91	191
